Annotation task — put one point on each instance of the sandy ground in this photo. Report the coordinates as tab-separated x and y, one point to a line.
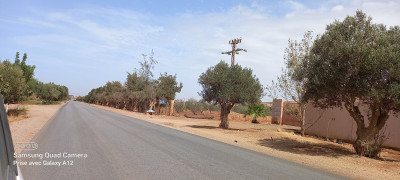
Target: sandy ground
37	115
282	142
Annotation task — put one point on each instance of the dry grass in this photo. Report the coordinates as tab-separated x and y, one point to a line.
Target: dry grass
24	127
17	113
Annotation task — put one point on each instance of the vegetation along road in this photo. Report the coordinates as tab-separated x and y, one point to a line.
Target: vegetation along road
84	142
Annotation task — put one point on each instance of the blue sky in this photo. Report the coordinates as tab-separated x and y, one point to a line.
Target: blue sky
83	44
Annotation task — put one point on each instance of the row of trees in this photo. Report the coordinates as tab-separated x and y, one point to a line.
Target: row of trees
140	92
355	62
17	83
48	92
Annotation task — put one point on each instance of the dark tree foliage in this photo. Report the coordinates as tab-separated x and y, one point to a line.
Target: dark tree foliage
12	82
134	82
113	87
17	83
49	92
27	69
167	86
226	86
17	60
356	62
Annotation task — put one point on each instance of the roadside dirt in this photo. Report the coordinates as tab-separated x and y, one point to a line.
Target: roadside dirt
284	142
23	130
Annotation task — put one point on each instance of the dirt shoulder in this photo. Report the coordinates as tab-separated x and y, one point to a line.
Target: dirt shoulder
37	116
285	144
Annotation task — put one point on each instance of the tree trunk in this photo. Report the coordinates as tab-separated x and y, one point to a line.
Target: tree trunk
254	120
136	106
302	119
171	108
225	110
369	141
151	104
159	106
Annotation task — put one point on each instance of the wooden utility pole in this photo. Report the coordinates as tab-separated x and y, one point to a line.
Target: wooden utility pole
234	49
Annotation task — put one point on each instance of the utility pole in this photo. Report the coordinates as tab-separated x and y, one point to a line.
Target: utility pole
234	49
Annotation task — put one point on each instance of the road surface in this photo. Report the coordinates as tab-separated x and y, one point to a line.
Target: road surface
84	142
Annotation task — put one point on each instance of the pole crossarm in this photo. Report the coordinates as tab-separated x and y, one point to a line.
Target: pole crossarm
234	49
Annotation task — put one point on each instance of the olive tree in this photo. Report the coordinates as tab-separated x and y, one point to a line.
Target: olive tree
52	92
356	62
12	82
226	86
167	87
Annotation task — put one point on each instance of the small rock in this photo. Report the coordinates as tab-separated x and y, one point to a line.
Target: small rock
279	130
235	141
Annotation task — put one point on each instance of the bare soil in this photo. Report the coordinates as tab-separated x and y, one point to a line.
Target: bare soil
24	128
283	142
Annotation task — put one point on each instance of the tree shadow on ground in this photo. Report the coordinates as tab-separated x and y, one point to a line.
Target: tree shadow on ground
307	148
321	149
212	127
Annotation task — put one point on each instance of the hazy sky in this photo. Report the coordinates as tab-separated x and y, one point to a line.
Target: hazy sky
85	43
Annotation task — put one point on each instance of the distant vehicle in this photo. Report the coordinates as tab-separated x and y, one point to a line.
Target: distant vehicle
8	169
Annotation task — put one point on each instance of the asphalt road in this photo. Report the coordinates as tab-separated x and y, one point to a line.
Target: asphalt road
120	147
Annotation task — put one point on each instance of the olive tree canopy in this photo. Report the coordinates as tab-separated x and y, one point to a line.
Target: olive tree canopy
357	62
227	86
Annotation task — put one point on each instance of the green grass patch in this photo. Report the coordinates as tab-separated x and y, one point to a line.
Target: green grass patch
51	102
30	101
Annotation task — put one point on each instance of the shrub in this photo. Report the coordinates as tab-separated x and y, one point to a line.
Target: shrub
179	106
239	108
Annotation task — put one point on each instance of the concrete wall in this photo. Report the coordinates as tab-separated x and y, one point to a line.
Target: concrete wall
337	123
278	114
277	111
